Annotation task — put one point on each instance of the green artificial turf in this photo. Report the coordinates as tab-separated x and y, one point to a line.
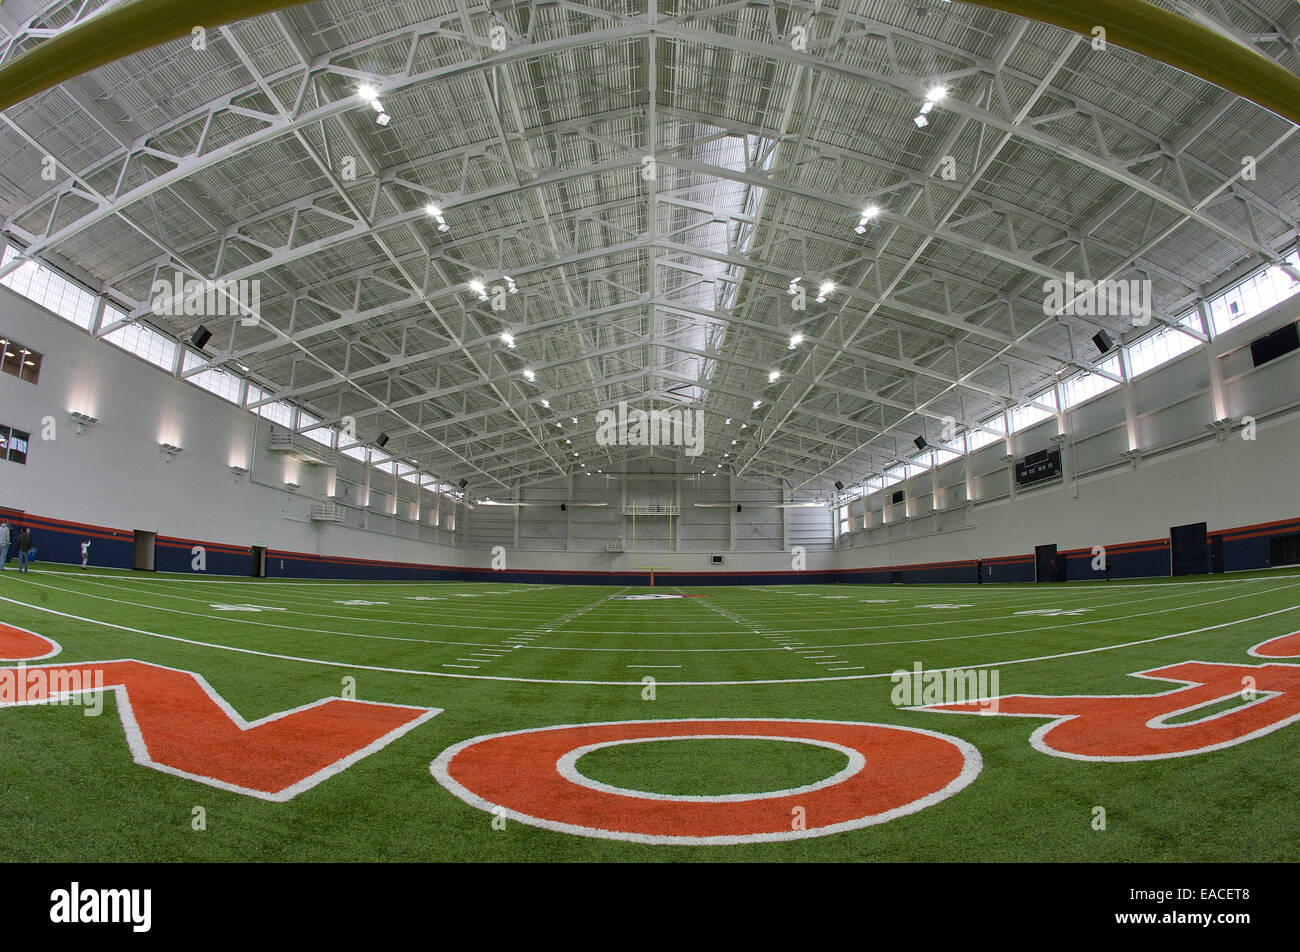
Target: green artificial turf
69	790
711	767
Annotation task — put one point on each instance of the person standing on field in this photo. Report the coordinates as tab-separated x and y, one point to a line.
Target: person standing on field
4	544
24	548
85	552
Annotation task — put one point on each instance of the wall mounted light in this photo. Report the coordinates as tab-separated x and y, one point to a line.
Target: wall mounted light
169	450
292	487
83	420
238	471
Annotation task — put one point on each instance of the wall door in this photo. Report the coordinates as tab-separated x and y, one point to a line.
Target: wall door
1044	562
1189	549
145	543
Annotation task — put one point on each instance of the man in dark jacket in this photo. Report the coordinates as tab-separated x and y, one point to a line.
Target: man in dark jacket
24	548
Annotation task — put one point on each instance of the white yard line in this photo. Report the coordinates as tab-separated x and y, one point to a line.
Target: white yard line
440	674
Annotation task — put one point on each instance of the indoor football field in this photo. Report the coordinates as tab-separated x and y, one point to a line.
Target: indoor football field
165	718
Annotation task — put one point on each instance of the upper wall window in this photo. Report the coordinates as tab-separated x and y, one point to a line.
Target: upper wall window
50	290
1253	296
1084	387
1162	346
19	361
146	343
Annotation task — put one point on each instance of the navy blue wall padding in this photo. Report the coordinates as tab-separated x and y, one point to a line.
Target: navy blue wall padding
56	541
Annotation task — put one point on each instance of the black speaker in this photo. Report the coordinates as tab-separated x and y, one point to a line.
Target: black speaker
839	486
738	507
382	441
564	507
464	483
898	497
1103	341
920	443
201	337
1274	345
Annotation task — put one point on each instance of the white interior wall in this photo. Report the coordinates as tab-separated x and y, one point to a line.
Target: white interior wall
115	475
1187	469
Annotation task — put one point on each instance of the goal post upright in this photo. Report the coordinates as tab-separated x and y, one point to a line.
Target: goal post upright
651	569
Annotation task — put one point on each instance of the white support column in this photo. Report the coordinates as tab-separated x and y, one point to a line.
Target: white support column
1130	407
365	492
568	518
676	520
731	513
1010	452
936	493
1218	401
519	497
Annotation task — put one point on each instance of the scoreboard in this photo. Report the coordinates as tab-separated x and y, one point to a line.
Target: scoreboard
1037	467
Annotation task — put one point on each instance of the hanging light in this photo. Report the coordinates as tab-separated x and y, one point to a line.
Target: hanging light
434	212
868	214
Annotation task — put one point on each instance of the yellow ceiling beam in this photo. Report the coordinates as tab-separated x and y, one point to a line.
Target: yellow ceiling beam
1132	24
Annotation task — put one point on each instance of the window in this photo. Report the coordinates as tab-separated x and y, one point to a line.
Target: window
221	383
845	525
50	290
312	430
1162	346
19	361
989	431
1253	296
13	444
356	452
1084	387
1025	416
895	474
278	412
146	343
943	454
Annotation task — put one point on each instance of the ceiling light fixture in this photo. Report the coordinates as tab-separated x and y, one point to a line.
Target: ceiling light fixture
773	377
479	288
795	340
508	339
529	375
434	212
826	290
869	213
936	94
